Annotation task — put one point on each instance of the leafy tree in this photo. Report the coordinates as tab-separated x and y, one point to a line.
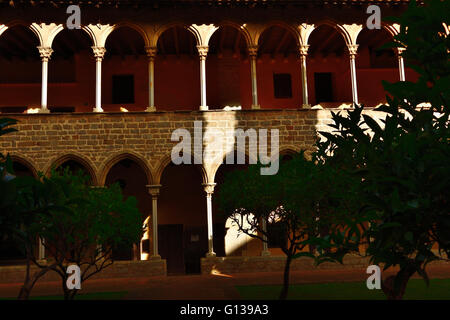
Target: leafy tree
84	225
80	224
291	208
403	163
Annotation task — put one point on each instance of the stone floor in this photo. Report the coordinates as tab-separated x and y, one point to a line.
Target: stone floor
202	287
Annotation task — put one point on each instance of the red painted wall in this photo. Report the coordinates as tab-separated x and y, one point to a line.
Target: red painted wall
177	83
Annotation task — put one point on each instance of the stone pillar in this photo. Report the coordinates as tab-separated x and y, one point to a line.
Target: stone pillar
352	49
209	189
45	53
41	253
401	65
203	52
303	53
151	54
99	53
154	192
253	54
265	251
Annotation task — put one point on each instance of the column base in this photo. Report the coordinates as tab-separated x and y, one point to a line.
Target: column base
97	110
157	257
306	106
203	108
43	110
211	255
265	253
256	106
150	109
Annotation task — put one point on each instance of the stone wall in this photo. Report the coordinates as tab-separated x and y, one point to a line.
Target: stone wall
98	141
119	269
230	265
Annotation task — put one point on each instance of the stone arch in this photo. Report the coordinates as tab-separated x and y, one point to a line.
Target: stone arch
338	27
136	27
278	23
59	160
289	150
116	158
215	167
46	33
393	29
163	28
28	163
98	33
239	27
166	160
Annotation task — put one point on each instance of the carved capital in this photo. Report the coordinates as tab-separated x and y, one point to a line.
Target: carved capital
151	52
153	189
202	51
352	50
99	53
209	188
45	53
253	51
303	49
399	51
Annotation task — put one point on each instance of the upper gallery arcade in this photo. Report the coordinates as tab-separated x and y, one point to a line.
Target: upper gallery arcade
197	57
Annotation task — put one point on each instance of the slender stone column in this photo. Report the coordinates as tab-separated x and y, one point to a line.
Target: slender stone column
41	253
265	251
203	52
209	189
151	54
99	53
401	65
154	192
45	53
352	49
303	53
253	54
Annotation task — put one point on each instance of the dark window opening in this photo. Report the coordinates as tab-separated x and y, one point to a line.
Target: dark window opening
13	109
62	109
282	85
323	83
122	89
277	237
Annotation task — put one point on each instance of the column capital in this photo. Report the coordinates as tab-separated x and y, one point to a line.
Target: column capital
253	51
399	51
45	53
151	52
303	49
153	189
99	52
202	51
352	50
209	188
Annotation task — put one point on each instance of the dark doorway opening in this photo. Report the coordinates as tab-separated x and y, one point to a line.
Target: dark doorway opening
323	83
170	247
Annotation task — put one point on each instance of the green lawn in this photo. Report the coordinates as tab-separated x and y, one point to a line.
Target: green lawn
439	289
83	296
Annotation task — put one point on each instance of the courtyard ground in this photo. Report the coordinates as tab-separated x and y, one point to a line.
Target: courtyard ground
211	287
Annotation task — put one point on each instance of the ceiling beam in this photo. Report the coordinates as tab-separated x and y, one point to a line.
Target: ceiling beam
281	43
175	39
222	40
264	40
324	43
237	42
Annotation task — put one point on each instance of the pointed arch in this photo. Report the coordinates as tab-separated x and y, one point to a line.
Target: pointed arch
82	160
116	158
166	160
28	163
